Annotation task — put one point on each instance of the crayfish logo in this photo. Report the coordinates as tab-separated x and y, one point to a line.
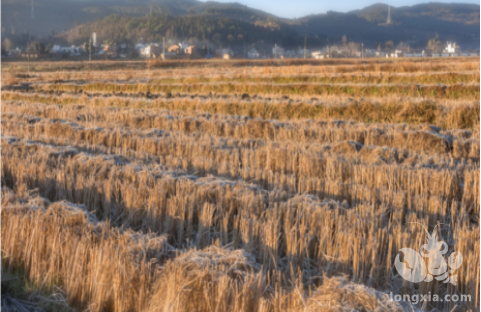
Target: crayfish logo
413	268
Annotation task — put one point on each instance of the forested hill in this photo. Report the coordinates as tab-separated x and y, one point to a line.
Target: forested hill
61	15
414	25
221	31
233	23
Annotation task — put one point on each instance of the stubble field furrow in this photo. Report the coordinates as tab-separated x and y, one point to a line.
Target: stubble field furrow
165	76
449	92
239	186
168	204
340	172
455	115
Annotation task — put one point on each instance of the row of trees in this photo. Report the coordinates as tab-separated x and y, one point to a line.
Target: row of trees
36	46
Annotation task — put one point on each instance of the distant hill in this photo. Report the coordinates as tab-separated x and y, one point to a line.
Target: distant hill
198	29
61	15
414	25
411	24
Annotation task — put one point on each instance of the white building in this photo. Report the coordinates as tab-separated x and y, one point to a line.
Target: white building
253	54
318	55
72	50
452	48
149	51
226	51
396	54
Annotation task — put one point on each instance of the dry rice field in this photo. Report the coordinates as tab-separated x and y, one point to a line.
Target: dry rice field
238	186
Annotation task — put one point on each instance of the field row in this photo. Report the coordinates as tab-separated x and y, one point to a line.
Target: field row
240	127
218	278
238	191
344	170
264	66
283	232
421	138
445	78
452	92
444	114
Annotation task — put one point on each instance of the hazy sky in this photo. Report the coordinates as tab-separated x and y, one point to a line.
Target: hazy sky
299	8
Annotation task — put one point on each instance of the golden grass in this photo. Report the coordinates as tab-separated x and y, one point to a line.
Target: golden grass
279	75
9	79
266	66
239	204
146	210
416	91
388	110
442	78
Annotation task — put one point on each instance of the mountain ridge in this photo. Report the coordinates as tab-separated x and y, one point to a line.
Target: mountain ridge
412	24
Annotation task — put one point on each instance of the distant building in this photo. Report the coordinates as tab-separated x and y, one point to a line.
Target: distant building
33	55
253	54
395	54
110	50
71	51
181	48
15	52
190	50
318	55
451	48
277	51
150	51
226	54
175	48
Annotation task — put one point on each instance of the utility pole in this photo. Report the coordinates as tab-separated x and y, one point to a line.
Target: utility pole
163	48
90	49
28	53
328	49
305	44
362	50
275	51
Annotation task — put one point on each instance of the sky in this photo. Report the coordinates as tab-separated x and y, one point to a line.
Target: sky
299	8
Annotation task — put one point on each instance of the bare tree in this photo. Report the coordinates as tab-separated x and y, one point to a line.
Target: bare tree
353	47
404	47
7	44
435	45
389	45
